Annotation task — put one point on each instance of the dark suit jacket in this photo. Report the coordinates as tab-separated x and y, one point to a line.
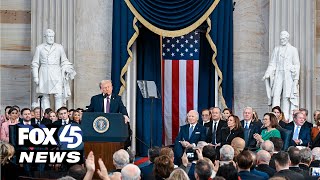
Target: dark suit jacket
59	122
146	171
315	163
300	171
227	136
44	121
218	132
282	124
116	105
289	174
304	167
304	134
198	134
266	168
255	127
32	121
246	175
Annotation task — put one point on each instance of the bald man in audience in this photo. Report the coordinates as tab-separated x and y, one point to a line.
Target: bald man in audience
238	144
131	172
268	146
263	159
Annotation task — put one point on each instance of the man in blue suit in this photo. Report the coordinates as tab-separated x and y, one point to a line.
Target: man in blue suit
300	135
107	101
189	135
250	127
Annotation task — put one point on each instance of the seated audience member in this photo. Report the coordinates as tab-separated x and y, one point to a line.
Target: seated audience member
178	173
226	113
253	169
163	166
63	114
315	157
305	113
131	172
76	117
256	118
209	152
8	168
315	132
13	120
205	117
46	113
5	117
306	157
244	162
295	159
270	122
120	159
37	116
189	135
300	134
315	115
250	127
267	146
70	112
167	152
280	116
77	172
278	144
53	116
238	144
226	154
202	170
26	117
282	163
146	171
263	159
233	130
228	171
215	128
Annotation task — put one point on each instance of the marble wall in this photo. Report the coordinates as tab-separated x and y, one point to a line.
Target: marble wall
317	59
15	27
251	54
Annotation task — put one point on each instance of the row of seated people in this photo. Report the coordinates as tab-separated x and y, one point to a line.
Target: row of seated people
234	162
218	132
13	116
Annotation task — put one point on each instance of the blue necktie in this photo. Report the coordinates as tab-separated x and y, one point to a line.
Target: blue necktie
246	126
190	131
296	133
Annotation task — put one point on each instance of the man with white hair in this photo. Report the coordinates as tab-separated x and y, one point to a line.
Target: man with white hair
282	76
189	135
315	157
120	159
267	146
226	154
250	127
130	172
263	159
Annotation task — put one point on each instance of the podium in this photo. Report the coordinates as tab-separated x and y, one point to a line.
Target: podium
103	134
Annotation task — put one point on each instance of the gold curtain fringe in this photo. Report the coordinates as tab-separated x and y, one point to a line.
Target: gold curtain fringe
125	67
175	33
214	62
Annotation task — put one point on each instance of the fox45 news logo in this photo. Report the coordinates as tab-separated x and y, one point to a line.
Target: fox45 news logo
49	144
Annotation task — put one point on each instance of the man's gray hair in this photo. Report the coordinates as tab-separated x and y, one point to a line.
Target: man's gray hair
263	156
121	158
306	155
248	107
130	172
197	114
316	153
267	146
104	82
226	153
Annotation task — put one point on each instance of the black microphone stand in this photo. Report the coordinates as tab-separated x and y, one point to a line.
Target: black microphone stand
40	98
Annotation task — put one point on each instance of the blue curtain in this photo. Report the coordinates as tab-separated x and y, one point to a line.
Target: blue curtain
149	68
148	47
171	14
122	31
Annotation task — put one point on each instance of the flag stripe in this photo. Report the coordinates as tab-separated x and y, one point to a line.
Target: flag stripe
182	91
175	98
190	86
195	87
168	101
162	104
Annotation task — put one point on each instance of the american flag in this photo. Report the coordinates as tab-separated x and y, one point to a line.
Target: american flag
180	72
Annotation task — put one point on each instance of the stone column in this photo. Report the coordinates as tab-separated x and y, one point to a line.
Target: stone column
93	48
298	18
59	16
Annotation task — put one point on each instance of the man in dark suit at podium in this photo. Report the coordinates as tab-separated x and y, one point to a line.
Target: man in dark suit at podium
107	101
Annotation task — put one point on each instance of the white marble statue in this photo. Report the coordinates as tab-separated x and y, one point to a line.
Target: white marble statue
52	71
282	77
